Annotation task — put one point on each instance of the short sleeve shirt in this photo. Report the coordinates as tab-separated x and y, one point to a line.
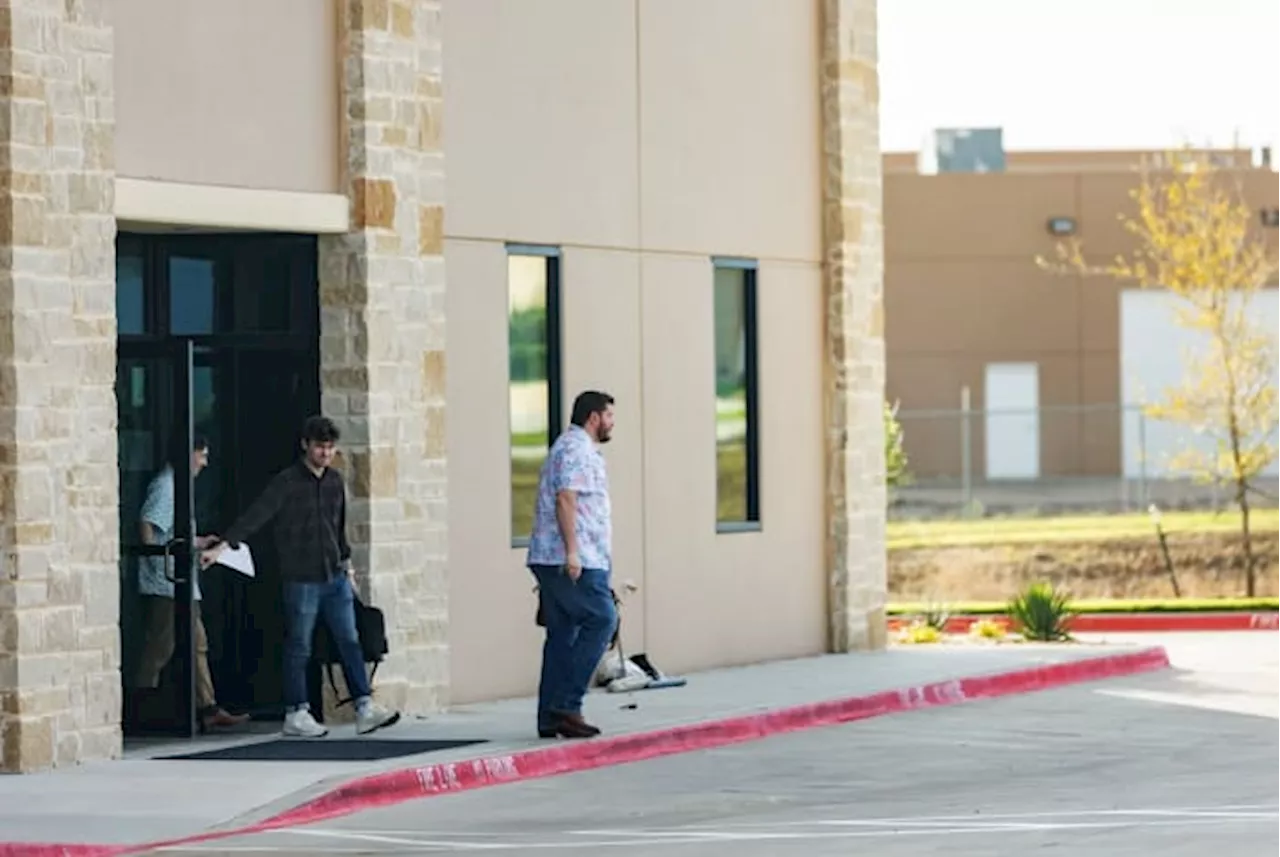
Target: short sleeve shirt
573	464
157	510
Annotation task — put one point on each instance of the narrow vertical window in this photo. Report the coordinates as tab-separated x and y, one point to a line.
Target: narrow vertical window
131	303
737	433
533	343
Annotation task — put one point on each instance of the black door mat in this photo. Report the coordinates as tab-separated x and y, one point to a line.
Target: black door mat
324	750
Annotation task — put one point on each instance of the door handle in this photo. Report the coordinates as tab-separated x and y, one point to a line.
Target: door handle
169	571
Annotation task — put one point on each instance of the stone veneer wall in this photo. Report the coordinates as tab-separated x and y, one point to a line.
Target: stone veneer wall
382	360
853	279
59	638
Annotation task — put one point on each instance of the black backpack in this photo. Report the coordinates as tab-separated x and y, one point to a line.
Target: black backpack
371	628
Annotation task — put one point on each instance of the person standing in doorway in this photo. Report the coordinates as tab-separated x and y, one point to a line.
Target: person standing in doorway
156	528
308	503
570	554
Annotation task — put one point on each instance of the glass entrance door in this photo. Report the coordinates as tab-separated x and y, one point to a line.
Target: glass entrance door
219	330
155	386
270	393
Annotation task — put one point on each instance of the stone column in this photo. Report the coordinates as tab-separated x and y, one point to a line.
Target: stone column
853	277
59	584
382	335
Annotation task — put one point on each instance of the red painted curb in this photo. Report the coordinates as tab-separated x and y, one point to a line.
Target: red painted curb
1139	622
23	849
1131	623
394	787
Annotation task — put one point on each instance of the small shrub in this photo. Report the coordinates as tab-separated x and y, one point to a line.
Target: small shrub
1041	613
919	632
936	616
987	629
895	454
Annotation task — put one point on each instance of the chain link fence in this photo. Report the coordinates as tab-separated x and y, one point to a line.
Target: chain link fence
1050	460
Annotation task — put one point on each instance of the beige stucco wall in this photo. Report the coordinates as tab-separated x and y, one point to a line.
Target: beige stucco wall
239	93
528	166
716	599
679	131
490	596
729	152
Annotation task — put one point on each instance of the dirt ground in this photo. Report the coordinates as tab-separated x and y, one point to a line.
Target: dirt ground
1207	565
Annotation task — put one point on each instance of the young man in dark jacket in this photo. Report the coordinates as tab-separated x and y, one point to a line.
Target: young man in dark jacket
308	503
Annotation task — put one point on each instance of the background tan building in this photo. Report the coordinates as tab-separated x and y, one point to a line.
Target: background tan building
967	307
436	222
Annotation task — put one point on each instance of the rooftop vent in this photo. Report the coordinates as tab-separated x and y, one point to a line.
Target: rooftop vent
963	150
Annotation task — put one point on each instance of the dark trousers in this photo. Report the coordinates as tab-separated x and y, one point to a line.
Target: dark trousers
580	620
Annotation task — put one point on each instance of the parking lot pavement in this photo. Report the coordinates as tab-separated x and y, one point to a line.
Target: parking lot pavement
1175	763
161	800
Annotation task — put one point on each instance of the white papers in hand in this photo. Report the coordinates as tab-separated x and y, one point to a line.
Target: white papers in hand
238	559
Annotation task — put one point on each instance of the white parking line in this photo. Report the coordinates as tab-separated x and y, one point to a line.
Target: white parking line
1265	810
953	825
1233	702
424	839
818	829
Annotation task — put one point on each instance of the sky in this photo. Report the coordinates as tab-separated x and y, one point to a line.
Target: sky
1081	74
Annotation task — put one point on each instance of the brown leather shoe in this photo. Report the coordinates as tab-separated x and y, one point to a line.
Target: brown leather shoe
574	726
221	719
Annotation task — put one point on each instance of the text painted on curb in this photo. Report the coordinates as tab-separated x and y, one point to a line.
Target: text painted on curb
447	776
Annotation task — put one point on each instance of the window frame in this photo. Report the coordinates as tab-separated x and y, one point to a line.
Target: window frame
751	370
551	256
154	250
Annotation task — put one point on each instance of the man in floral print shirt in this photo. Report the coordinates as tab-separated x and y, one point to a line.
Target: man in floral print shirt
570	554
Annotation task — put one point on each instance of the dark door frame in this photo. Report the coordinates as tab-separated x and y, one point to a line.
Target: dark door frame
179	355
285	261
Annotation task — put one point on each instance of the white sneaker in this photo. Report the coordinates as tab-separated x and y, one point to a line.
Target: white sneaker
375	717
300	724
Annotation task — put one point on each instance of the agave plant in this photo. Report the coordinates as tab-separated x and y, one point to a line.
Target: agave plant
1041	613
936	616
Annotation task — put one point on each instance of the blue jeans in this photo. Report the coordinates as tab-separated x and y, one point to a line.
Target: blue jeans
580	621
303	602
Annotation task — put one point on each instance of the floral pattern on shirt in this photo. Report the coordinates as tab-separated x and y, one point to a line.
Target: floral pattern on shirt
573	464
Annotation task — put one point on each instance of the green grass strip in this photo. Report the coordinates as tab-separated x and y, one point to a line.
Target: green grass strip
904	535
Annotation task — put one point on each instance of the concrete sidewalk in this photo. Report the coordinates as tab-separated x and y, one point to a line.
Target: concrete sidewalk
144	799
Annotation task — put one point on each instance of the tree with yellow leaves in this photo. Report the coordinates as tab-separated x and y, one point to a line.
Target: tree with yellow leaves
1196	238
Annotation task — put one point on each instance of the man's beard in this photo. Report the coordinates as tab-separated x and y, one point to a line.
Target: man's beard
604	436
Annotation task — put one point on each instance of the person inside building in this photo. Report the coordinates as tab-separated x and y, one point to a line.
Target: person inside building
156	528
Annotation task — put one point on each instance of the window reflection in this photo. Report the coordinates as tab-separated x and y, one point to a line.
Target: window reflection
734	386
135	428
262	278
529	343
191	295
130	301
